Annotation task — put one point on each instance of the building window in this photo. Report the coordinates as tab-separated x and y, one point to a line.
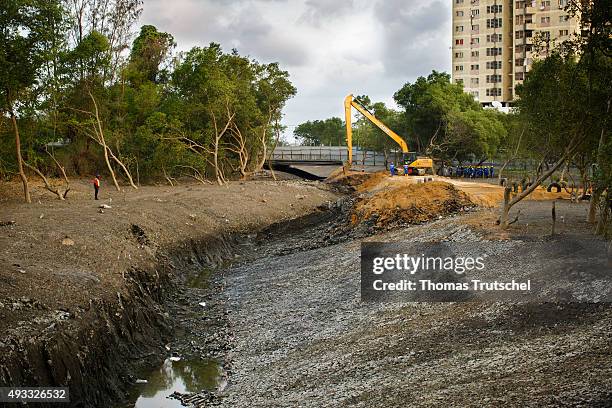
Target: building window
475	40
545	20
562	3
458	1
563	18
493	91
519	62
563	33
458	55
494	37
519	34
475	12
544	4
494	51
519	76
459	29
459	42
474	67
475	53
474	81
475	27
520	4
494	22
474	94
459	81
494	8
493	79
460	14
458	67
494	64
545	34
474	2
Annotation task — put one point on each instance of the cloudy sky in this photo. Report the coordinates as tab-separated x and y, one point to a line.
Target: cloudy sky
330	47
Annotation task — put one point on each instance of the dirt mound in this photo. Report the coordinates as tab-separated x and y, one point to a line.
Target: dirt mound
354	180
411	204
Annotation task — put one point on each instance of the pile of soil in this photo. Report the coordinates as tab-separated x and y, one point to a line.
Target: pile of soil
411	204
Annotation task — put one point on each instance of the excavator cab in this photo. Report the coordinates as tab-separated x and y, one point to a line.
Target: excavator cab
418	165
409	157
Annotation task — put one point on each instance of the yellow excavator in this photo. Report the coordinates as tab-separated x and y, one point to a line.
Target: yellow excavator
417	165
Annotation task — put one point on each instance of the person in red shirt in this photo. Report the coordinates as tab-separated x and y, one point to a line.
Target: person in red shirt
96	184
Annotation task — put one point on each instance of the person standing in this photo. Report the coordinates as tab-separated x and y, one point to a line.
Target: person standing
392	168
96	184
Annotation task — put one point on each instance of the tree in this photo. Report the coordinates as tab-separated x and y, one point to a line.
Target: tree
272	90
27	28
149	50
434	116
595	49
325	132
111	18
553	107
207	113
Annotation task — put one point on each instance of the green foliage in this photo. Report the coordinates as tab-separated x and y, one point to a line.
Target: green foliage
149	50
427	103
326	132
25	34
446	122
151	116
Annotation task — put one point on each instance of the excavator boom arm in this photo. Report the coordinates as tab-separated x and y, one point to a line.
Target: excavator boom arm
350	102
381	126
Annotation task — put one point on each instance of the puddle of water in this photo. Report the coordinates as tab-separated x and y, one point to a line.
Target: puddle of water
201	280
185	376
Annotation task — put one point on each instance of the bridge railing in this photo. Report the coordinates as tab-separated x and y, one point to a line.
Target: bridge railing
327	153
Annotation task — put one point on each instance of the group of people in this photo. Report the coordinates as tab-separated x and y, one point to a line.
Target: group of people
394	171
459	171
469	171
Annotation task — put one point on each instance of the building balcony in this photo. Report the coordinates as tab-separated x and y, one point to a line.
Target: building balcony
531	10
530	26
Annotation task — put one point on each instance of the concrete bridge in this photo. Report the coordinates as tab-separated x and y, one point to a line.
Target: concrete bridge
318	162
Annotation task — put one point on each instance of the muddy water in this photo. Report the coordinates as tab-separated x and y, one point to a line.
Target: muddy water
183	376
199	310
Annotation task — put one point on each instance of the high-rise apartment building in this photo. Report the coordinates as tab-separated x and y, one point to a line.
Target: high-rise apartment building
493	42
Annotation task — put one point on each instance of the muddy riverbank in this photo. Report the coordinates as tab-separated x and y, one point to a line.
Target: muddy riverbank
83	288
